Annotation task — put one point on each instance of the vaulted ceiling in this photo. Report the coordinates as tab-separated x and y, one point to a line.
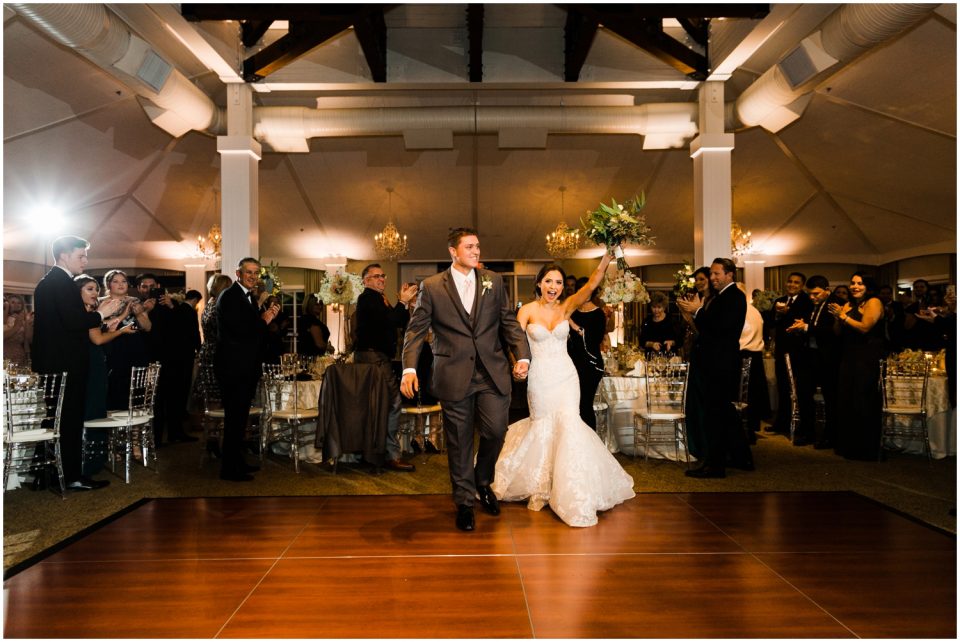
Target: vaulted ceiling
867	173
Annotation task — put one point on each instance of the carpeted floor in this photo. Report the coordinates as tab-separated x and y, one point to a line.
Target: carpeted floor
37	520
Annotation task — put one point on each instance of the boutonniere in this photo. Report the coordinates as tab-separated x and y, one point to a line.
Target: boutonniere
486	283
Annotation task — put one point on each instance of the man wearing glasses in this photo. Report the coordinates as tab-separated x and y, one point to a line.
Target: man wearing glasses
377	322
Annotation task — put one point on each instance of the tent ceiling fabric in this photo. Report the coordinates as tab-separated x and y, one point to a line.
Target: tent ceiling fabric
867	174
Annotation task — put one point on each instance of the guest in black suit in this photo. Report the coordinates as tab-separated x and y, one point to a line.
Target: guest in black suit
787	310
377	323
174	342
716	362
821	363
60	339
241	334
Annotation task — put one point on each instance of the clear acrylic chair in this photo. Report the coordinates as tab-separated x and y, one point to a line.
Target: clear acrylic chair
794	400
212	420
904	390
666	395
32	404
742	403
421	422
131	429
285	416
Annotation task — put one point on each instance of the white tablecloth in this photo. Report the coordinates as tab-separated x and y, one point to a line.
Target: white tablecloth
307	398
624	396
941	423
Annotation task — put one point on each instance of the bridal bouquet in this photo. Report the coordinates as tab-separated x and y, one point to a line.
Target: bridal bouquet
626	288
340	288
685	280
613	224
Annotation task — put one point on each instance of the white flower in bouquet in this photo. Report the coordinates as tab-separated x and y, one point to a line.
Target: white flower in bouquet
625	288
340	288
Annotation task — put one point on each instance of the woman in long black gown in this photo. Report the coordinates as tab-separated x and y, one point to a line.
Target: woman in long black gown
861	334
588	325
696	395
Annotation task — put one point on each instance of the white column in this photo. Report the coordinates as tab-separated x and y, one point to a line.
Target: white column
196	277
753	275
239	181
711	153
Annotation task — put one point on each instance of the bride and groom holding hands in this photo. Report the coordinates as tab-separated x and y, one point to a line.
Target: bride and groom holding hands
552	457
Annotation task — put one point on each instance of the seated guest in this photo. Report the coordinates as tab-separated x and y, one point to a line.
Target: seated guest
377	323
314	337
658	333
129	350
17	331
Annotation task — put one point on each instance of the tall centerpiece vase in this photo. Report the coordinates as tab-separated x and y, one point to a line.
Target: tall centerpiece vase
339	290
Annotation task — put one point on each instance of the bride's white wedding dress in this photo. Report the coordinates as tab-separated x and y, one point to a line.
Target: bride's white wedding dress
552	457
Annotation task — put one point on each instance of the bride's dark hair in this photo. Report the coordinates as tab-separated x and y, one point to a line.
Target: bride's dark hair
552	267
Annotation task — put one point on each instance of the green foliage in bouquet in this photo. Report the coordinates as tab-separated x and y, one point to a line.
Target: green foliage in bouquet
616	224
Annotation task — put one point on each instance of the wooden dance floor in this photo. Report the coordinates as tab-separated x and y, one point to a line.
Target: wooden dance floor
660	566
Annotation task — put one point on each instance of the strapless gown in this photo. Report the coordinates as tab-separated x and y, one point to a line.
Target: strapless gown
553	457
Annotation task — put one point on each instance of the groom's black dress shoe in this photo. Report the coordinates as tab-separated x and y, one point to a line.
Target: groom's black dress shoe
488	500
465	517
706	472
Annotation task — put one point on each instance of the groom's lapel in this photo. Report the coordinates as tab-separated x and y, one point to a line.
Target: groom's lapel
455	296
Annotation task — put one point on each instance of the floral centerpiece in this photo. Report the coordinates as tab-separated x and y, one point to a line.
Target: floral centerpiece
627	356
685	280
764	299
918	360
614	224
270	275
340	288
625	288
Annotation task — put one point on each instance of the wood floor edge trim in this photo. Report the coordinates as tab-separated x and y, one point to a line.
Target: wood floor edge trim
47	552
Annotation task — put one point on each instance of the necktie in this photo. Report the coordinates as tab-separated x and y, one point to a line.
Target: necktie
790	300
253	301
467	295
817	315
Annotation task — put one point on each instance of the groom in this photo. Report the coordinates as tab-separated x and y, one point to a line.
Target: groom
472	319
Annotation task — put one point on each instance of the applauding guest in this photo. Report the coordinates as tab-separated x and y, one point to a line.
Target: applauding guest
241	332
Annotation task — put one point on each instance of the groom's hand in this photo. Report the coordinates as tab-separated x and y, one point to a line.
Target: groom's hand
520	370
409	384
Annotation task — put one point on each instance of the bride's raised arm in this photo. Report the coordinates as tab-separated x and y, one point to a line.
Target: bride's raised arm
582	295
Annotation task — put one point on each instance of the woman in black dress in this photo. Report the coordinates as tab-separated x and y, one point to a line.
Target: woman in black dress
696	394
588	327
861	335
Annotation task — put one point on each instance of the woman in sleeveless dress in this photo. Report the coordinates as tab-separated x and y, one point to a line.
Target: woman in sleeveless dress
553	457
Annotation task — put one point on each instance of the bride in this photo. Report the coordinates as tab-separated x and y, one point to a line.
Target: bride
552	457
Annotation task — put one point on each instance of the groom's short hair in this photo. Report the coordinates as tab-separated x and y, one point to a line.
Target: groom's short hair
457	233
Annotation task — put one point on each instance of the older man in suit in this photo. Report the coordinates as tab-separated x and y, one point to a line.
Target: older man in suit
470	313
61	344
242	332
716	360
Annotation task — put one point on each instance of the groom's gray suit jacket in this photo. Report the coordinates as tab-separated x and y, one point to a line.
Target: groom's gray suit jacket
459	339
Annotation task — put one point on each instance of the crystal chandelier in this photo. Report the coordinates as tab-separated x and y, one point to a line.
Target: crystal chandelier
209	247
740	241
562	242
389	244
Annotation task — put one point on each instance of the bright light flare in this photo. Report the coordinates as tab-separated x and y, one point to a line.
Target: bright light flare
46	219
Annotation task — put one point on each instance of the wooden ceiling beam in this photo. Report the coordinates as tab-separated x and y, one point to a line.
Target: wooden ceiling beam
252	30
475	37
301	38
371	31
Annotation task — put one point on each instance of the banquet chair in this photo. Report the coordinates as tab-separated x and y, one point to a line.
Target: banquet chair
600	407
417	423
741	405
284	417
32	404
666	394
794	400
130	429
904	392
212	420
